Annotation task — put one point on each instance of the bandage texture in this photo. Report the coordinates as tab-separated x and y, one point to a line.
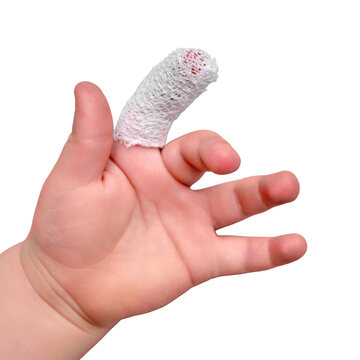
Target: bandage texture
169	88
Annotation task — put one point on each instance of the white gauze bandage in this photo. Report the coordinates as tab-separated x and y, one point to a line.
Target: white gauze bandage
169	88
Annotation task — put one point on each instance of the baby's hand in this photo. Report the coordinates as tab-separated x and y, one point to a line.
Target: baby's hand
118	232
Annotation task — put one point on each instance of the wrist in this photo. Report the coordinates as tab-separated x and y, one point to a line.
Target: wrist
38	320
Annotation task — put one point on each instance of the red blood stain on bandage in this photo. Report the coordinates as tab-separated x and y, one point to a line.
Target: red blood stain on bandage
195	60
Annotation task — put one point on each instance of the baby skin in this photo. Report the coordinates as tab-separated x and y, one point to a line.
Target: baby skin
118	232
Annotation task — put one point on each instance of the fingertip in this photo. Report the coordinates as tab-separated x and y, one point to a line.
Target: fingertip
85	86
92	118
219	156
290	183
280	188
89	98
285	249
84	91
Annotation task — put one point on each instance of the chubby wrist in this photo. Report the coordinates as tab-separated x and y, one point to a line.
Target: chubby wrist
51	291
38	319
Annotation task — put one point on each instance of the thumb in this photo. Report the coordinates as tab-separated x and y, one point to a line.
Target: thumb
88	148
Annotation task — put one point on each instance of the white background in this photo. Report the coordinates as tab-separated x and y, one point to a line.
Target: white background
287	97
